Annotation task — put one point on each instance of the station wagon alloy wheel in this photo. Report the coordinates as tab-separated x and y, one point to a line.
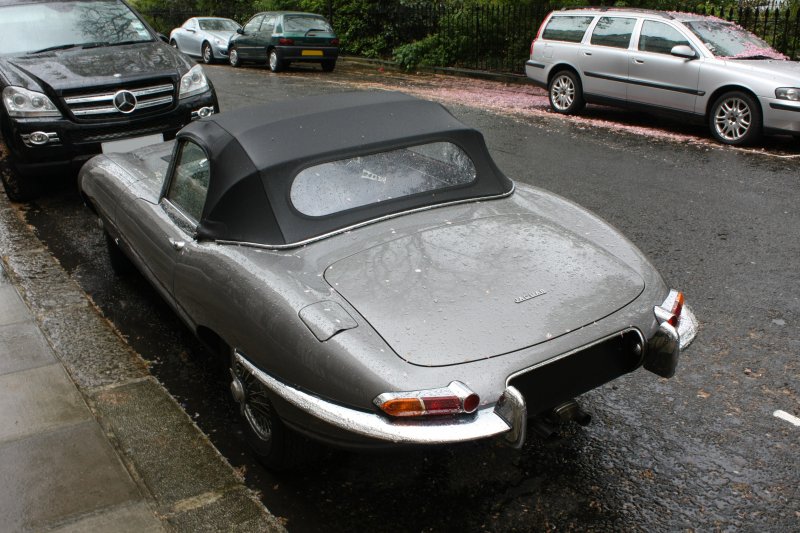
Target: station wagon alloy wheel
735	119
233	57
566	93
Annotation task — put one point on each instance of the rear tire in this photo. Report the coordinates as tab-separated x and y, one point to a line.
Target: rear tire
233	57
275	62
566	93
735	119
277	446
328	66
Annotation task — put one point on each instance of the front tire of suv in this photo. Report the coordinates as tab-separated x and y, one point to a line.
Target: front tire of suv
566	93
19	188
735	119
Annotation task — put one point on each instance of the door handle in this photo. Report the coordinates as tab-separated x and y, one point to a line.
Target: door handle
177	245
587	53
638	61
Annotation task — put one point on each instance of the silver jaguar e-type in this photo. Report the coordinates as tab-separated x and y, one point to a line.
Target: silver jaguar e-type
376	280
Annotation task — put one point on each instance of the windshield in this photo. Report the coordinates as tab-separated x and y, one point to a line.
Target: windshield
725	39
36	27
304	23
218	25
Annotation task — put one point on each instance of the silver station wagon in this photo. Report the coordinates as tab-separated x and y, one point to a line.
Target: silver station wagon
697	67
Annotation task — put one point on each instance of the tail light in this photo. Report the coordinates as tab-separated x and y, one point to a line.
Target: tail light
334	42
286	42
670	310
454	399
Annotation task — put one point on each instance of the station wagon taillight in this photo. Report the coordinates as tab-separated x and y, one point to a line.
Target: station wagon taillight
286	42
335	42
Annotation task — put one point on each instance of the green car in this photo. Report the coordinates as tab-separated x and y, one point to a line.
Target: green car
279	38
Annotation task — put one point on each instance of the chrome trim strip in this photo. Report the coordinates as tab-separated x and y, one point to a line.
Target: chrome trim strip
572	352
142	104
441	430
108	97
94	111
362	224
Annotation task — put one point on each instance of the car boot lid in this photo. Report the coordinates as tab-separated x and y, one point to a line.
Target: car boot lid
519	281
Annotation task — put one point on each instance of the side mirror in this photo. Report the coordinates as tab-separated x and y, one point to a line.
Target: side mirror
683	51
240	31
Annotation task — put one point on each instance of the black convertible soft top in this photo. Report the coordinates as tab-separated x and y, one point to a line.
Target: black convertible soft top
256	152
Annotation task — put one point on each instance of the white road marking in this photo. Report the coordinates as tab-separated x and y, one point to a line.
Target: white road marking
786	416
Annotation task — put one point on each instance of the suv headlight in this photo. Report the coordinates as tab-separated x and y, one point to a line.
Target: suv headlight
193	82
788	93
21	102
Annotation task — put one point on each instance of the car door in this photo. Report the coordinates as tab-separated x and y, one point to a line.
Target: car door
604	60
247	42
658	78
157	232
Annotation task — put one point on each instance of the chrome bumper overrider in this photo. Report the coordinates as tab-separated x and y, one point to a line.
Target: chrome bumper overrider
508	417
664	349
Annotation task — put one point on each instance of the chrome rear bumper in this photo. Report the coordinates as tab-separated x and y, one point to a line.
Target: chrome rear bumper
508	416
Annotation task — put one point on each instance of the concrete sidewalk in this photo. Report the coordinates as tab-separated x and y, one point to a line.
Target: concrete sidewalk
89	440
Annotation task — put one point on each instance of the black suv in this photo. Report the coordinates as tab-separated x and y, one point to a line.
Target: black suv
81	77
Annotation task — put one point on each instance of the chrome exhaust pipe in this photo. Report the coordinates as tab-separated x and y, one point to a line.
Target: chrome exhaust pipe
571	411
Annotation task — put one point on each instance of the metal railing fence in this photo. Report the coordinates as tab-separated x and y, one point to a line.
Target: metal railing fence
486	37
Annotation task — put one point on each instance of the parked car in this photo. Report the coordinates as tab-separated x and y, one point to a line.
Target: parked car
83	77
701	68
374	278
204	37
279	38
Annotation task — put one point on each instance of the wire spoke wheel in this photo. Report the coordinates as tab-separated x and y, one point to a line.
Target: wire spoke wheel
256	407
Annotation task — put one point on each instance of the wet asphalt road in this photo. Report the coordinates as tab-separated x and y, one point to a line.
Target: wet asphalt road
700	451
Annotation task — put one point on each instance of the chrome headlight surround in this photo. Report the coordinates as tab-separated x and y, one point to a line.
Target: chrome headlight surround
23	103
193	82
788	93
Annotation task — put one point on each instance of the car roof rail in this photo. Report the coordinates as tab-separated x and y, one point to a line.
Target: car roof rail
662	14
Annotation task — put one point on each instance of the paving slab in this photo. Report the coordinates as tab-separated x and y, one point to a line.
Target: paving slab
22	347
12	308
38	400
137	518
171	455
50	477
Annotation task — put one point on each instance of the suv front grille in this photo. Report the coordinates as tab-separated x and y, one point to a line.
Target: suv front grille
100	105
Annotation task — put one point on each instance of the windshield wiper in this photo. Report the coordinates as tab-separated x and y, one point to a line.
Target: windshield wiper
71	45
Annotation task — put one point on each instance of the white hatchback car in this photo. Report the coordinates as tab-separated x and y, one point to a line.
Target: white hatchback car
700	67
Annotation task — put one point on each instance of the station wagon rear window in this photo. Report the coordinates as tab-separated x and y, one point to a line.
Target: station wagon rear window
358	181
569	29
